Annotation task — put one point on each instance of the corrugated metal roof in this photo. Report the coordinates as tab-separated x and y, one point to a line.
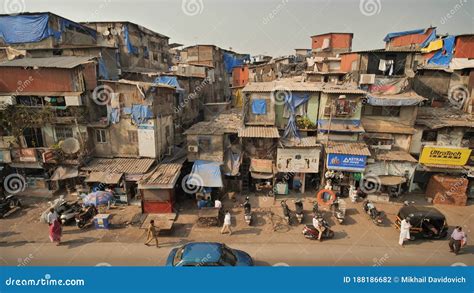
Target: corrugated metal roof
436	118
67	62
396	155
304	142
104	177
347	148
259	131
226	122
282	85
335	90
163	174
120	165
391	50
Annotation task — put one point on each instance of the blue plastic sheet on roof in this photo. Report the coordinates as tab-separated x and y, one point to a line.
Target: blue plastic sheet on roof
259	107
169	80
130	47
292	102
205	174
429	39
443	57
232	60
141	113
390	36
26	28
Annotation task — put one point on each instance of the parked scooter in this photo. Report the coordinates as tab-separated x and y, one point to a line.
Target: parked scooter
247	211
375	215
67	212
286	211
339	210
86	216
299	210
310	232
8	203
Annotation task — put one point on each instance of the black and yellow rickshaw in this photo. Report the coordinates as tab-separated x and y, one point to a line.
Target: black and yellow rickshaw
426	222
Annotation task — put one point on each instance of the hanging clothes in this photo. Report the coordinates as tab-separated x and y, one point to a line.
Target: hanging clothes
383	65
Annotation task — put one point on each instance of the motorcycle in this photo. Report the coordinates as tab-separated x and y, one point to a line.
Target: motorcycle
286	211
247	211
310	232
299	210
339	210
9	203
375	215
67	211
83	218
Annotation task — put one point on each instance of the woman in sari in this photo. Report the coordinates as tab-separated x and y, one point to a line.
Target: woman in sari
55	232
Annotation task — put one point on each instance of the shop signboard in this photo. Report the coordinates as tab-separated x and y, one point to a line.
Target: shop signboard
345	162
444	155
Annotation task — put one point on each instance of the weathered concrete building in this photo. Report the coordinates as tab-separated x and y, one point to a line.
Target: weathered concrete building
331	44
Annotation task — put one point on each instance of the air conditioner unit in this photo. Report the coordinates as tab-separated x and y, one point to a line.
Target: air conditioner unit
367	79
192	148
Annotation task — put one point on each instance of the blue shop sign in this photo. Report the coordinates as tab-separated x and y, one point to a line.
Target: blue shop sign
346	162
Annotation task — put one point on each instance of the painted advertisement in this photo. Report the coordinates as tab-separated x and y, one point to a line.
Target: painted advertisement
445	156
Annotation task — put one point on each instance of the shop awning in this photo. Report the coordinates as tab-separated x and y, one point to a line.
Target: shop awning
205	174
390	180
62	173
104	177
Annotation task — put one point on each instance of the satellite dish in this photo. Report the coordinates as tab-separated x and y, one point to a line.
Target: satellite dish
70	145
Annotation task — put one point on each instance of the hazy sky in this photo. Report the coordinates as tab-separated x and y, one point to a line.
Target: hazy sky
273	27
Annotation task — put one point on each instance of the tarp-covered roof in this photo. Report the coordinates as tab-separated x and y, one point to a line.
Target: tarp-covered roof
409	98
62	173
205	174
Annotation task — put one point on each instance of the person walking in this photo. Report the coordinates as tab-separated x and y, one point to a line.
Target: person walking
52	215
55	231
319	226
404	231
458	240
227	223
151	233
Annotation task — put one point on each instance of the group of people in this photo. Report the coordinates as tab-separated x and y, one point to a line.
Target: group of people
457	240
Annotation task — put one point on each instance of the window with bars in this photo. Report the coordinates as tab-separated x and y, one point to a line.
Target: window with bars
133	136
63	132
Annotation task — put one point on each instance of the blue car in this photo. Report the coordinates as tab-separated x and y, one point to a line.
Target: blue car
207	254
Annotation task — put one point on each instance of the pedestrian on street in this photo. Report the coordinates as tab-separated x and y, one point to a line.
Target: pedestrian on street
458	240
55	232
227	223
319	226
52	215
151	233
404	231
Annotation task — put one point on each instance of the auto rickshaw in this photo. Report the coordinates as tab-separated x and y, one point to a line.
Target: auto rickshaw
426	222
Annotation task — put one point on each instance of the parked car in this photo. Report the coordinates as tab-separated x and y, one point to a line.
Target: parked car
426	222
196	254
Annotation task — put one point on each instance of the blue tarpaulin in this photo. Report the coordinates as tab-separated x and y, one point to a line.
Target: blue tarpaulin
429	39
98	198
103	72
130	47
141	113
293	101
390	36
231	61
169	80
115	115
444	56
259	106
205	174
26	28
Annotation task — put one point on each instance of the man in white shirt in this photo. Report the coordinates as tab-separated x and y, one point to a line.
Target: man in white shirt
218	204
319	226
227	223
52	216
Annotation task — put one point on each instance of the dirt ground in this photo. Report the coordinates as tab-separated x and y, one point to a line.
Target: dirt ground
23	226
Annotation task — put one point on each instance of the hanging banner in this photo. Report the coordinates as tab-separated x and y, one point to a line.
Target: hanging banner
444	156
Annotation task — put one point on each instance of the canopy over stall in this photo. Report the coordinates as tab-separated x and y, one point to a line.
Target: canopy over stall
205	174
